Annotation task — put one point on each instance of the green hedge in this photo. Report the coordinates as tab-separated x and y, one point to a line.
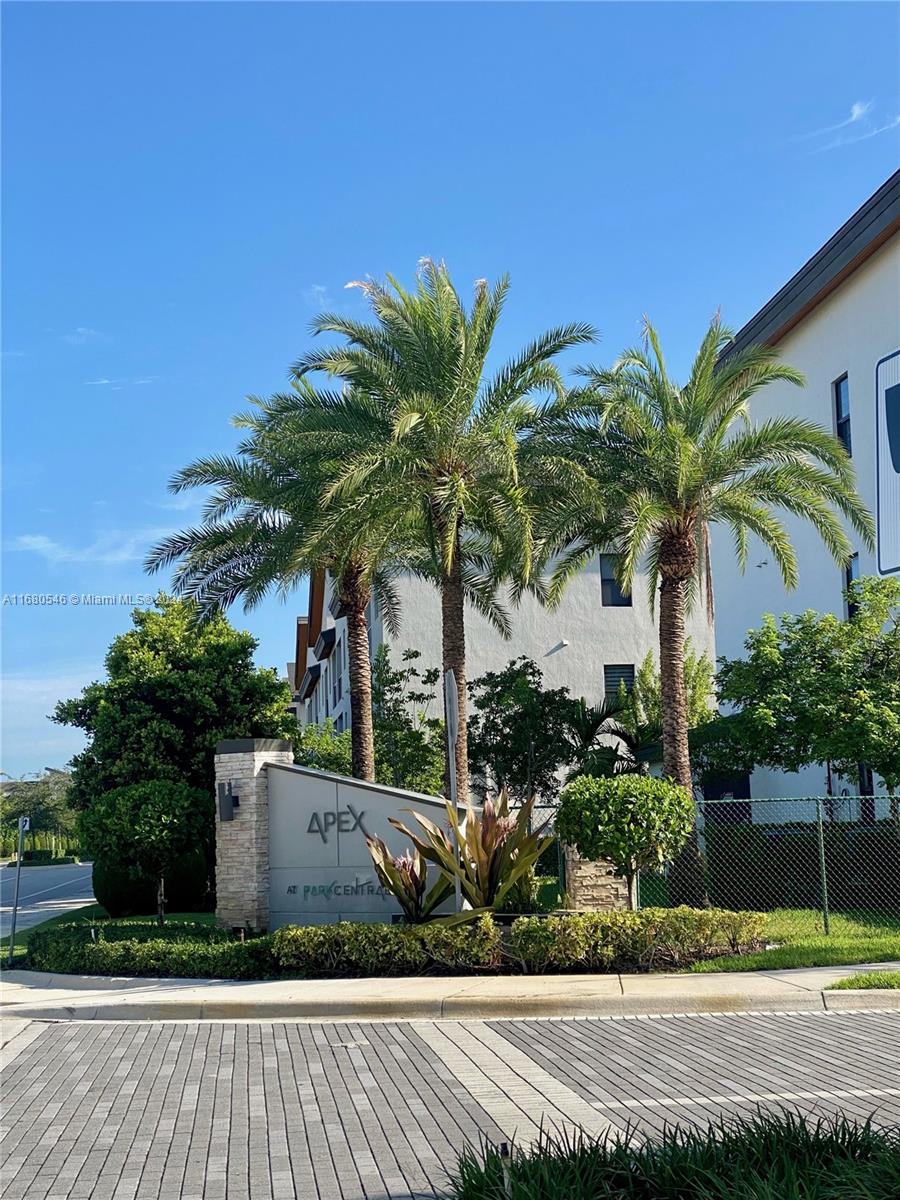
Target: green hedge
628	941
49	861
181	949
651	939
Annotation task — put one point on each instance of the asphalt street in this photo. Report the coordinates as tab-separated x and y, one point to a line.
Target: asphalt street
254	1110
44	892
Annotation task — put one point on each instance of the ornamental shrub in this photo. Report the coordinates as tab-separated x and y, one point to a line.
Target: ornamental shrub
595	942
634	821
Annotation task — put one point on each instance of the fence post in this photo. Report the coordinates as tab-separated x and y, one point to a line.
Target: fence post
823	877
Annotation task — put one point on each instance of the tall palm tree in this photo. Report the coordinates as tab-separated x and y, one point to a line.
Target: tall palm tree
654	465
433	443
263	529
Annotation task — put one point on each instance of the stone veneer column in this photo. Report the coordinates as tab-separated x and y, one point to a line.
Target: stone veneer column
242	845
593	886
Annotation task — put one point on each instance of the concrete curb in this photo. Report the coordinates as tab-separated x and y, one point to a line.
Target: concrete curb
453	1008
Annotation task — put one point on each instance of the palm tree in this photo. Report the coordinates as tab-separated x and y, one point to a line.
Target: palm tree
263	528
432	446
655	464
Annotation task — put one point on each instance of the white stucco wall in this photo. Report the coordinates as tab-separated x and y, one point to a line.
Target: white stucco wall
849	332
596	636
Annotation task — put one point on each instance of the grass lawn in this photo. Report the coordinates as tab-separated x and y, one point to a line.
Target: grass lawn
869	979
799	940
91	912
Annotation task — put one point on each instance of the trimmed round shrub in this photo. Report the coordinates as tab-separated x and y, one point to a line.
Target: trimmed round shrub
635	822
127	892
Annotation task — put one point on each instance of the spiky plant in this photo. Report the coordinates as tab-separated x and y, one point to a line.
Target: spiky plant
488	853
431	442
405	877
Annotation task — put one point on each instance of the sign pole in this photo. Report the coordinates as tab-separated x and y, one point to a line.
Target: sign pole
451	713
24	825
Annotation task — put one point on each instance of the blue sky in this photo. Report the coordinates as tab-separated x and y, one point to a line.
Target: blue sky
186	184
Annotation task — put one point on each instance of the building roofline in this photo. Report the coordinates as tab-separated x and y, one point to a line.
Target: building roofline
874	223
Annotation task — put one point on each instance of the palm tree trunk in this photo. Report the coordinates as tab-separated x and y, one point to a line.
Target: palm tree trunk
676	754
686	876
453	639
355	595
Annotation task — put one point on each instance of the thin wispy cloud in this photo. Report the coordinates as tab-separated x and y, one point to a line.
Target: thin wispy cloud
317	296
859	110
109	549
117	384
859	125
893	123
15	354
82	335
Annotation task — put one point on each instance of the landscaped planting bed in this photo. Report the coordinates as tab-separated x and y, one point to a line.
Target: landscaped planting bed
768	1157
652	939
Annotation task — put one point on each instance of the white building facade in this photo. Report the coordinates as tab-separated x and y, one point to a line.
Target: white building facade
838	321
596	637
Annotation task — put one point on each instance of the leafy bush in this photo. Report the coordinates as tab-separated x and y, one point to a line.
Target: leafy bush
765	1156
596	942
33	857
349	948
148	826
49	861
634	821
124	891
463	948
629	941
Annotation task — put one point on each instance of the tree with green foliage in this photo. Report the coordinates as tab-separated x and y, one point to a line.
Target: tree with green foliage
654	464
520	733
635	822
816	688
429	441
409	749
175	687
641	711
147	828
45	800
268	525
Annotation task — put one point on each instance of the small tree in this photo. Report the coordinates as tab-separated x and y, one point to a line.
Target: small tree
634	821
815	688
521	733
149	826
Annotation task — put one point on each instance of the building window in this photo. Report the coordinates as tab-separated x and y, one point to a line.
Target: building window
616	674
611	595
851	574
842	412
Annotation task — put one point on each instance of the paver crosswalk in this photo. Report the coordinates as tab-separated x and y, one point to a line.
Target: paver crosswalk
352	1111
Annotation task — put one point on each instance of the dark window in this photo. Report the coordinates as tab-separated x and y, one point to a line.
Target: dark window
851	573
842	412
611	595
615	674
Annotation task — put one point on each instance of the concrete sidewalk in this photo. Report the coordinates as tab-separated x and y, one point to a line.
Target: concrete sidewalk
38	996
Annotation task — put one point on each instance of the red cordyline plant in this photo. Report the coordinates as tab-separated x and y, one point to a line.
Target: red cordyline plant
404	876
488	852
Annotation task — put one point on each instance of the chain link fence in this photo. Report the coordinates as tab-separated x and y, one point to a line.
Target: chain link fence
829	855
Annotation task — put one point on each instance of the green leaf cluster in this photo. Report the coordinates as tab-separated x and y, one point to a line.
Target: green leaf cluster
634	821
816	688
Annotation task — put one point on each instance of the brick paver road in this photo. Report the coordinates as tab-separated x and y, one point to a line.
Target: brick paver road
271	1111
